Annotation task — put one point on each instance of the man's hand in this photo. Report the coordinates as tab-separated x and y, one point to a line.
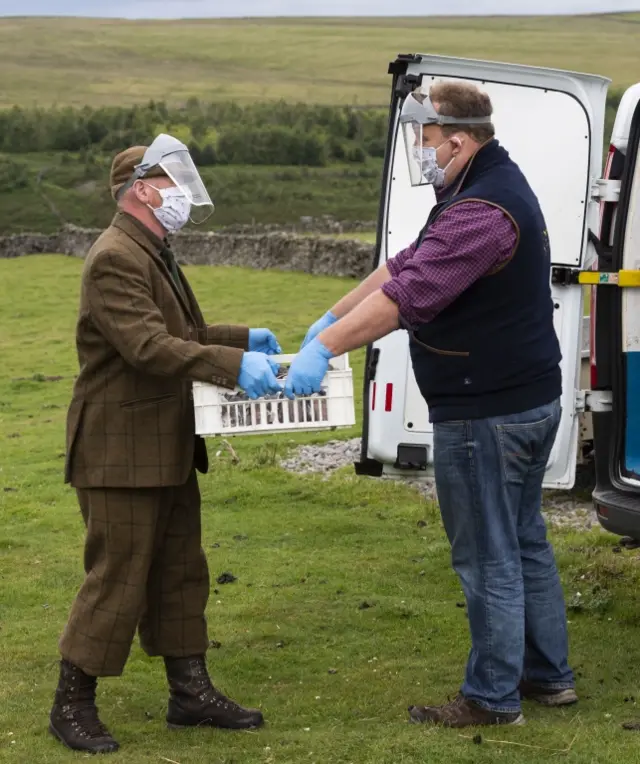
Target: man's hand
320	325
307	370
258	375
375	317
263	341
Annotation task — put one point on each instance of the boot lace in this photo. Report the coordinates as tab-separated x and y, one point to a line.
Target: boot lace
87	724
207	693
78	707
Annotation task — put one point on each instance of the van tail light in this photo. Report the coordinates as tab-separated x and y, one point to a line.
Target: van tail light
388	400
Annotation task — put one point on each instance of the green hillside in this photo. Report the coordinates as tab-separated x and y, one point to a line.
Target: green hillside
272	109
81	61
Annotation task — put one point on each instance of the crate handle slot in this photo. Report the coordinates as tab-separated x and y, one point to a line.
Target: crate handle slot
339	363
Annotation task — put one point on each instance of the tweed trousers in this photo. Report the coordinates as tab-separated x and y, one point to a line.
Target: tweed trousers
146	570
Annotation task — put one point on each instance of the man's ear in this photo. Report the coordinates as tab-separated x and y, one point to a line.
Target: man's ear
142	192
456	142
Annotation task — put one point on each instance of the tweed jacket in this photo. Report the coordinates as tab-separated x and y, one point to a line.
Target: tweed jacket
141	342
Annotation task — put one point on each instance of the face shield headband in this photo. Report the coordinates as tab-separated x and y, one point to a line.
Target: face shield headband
173	157
417	111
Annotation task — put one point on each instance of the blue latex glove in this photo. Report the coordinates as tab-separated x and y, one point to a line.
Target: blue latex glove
308	369
320	325
257	376
263	341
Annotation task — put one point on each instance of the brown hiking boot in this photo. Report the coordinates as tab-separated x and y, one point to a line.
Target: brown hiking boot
462	712
74	716
194	701
548	696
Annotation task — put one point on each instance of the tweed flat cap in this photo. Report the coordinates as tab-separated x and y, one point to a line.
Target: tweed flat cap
123	166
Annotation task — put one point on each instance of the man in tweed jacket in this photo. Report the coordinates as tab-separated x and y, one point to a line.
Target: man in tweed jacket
132	456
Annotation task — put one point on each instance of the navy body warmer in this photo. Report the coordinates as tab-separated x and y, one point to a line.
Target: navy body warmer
494	350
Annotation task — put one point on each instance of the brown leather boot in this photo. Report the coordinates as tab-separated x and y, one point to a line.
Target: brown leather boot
74	716
462	712
195	702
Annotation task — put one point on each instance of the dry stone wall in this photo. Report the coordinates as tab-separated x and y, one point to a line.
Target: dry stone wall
326	224
287	251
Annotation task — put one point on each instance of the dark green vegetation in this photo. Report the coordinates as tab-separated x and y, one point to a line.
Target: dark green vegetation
60	188
308	554
263	162
217	133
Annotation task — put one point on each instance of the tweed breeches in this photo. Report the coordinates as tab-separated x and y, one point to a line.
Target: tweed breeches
146	570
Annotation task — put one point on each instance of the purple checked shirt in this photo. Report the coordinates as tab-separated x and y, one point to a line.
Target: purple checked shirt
467	241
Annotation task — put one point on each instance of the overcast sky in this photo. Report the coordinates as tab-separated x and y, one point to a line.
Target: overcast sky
232	8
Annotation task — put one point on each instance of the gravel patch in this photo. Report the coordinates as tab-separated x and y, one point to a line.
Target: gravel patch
561	509
325	459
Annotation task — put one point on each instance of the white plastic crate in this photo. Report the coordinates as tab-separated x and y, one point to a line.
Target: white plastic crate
216	414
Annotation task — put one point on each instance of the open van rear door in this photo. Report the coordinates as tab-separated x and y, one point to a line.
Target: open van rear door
626	310
615	345
552	124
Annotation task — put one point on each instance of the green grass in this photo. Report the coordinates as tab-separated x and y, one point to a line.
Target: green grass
82	61
315	551
367	237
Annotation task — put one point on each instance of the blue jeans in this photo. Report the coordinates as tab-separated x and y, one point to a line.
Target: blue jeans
489	475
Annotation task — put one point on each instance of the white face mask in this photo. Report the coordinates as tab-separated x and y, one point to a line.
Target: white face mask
431	170
174	212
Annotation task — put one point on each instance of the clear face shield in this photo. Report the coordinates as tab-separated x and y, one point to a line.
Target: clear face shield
418	111
175	160
412	134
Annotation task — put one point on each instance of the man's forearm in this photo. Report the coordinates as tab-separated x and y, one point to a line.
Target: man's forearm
371	284
229	335
375	317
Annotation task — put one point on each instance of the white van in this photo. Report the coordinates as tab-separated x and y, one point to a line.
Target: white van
552	124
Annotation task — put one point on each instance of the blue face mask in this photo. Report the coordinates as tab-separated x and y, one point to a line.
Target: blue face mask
431	170
174	212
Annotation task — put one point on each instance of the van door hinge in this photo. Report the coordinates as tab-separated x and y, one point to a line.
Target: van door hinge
561	275
407	84
401	64
605	190
372	366
596	401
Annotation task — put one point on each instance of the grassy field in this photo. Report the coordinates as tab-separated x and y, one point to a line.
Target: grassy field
314	552
79	61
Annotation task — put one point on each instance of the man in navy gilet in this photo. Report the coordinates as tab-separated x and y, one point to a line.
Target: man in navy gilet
473	292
